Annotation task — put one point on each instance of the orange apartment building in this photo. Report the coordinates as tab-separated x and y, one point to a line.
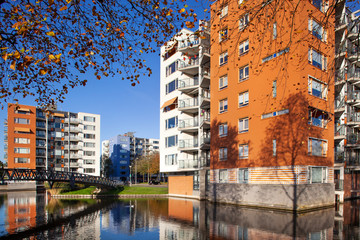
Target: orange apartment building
272	128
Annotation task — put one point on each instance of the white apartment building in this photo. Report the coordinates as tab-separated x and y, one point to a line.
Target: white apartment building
185	110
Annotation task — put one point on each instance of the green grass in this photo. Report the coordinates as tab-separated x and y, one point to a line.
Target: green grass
84	191
138	190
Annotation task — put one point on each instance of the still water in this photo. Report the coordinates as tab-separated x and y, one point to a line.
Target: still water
32	215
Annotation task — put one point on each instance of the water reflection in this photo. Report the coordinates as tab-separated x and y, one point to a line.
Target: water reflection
37	216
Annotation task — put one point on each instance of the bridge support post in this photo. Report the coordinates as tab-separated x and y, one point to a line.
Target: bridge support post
51	184
72	181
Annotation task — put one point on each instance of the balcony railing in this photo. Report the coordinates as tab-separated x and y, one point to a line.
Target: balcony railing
353	138
76	156
189	63
73	120
339	184
190	122
340	130
188	82
73	138
354	95
40	125
189	43
353	161
353	73
73	129
188	163
205	139
339	76
188	102
188	143
339	103
354	117
204	161
339	157
204	117
74	147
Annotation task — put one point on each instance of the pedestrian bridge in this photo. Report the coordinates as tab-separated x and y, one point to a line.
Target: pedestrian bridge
14	174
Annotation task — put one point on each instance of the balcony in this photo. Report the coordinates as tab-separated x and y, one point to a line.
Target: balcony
74	147
339	184
40	135
41	145
353	75
340	132
353	32
41	125
40	116
73	164
204	162
73	120
353	55
339	157
205	78
341	22
353	140
188	125
72	129
205	99
73	138
190	66
190	145
205	120
190	45
41	154
205	141
189	105
353	118
339	104
353	161
188	85
188	164
75	156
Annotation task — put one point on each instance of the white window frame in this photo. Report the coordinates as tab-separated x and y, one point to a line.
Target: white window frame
223	129
167	141
243	99
243	175
22	140
223	175
223	58
323	60
224	11
19	121
324	174
245	76
274	30
323	144
167	121
223	82
243	151
244	21
21	150
243	125
323	32
244	47
324	87
223	154
16	160
223	105
171	159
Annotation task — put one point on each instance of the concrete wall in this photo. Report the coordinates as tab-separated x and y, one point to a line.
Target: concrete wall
273	196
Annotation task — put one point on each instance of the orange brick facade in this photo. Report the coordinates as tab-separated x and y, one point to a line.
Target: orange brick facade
181	185
279	73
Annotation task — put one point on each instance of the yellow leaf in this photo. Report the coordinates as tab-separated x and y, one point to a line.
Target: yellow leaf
58	55
51	57
51	34
182	10
4	48
185	5
205	10
123	21
141	51
17	55
63	8
13	64
43	71
68	1
37	61
5	57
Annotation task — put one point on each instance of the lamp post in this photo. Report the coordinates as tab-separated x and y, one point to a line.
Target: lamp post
130	176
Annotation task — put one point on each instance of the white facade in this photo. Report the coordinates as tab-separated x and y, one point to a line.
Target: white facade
185	103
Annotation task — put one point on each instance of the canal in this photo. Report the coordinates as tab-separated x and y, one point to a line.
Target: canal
32	215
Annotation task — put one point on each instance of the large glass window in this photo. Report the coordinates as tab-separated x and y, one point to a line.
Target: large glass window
89	144
171	159
171	122
317	88
89	119
171	86
22	140
243	151
224	11
171	141
171	68
223	129
243	175
318	117
244	47
223	82
243	21
317	30
317	147
89	136
317	59
22	160
317	174
89	127
22	120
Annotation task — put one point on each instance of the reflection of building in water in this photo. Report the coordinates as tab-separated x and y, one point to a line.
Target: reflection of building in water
346	224
21	208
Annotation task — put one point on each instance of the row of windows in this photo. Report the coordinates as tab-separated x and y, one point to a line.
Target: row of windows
171	123
315	175
316	147
243	100
22	120
171	141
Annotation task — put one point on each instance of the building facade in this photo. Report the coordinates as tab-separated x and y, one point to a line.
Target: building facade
52	139
272	104
185	111
124	149
347	99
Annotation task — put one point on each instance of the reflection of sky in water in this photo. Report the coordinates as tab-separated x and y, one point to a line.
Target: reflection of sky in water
3	220
139	234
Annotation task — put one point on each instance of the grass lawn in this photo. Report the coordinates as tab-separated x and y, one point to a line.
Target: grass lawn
84	191
138	190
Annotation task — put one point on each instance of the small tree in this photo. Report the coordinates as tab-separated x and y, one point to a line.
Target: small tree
107	166
149	165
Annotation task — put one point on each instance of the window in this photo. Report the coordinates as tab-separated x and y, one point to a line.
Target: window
317	30
243	73
58	152
317	59
171	86
22	160
40	133
244	20
22	150
243	125
244	47
22	140
274	30
171	123
243	175
223	34
223	129
321	5
318	117
22	120
89	136
274	147
89	153
317	88
223	82
89	119
172	68
273	114
171	141
89	161
89	144
223	175
223	154
89	170
243	99
171	159
274	89
243	151
223	58
317	174
89	127
223	105
224	11
18	111
196	181
317	147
